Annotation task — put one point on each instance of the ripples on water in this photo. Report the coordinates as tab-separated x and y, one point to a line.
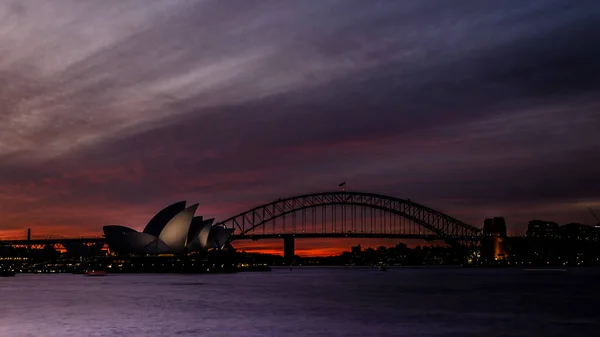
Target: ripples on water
306	302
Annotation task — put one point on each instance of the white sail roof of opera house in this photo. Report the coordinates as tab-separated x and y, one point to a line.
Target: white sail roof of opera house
219	235
201	232
174	229
144	243
160	220
174	234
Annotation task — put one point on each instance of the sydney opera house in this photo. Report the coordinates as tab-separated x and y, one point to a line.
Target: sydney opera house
174	230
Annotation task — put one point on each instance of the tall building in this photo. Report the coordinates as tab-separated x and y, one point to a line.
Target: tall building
492	246
495	226
542	229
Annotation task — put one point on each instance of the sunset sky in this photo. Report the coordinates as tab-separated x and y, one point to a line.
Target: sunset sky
111	110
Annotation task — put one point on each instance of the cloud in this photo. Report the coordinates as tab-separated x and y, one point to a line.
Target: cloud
138	62
475	108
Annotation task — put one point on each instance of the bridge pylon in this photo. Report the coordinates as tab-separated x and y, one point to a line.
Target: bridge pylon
289	248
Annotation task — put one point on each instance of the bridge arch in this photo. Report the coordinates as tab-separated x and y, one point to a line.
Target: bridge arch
441	225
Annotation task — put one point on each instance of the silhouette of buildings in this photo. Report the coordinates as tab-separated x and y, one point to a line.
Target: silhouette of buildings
547	243
177	240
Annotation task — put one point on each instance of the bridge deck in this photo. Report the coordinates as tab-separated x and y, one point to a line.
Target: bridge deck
427	237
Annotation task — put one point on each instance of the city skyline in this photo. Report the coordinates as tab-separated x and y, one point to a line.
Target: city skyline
474	109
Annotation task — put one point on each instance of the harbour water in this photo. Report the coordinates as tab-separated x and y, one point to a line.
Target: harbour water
306	302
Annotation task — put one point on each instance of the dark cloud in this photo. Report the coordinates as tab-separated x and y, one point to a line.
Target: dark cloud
479	109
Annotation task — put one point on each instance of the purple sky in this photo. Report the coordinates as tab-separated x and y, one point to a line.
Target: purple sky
110	110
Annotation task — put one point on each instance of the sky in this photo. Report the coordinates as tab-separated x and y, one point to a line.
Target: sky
111	110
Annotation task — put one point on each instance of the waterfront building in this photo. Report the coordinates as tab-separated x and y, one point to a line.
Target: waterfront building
495	226
173	230
542	229
493	246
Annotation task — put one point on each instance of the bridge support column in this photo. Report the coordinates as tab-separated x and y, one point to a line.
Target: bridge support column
288	249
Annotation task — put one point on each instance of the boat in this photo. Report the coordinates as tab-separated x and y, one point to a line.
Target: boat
95	273
382	268
7	273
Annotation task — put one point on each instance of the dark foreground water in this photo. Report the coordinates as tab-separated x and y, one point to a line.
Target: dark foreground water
306	302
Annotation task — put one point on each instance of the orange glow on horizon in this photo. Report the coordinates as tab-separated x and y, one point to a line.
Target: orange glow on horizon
58	233
321	247
302	253
304	247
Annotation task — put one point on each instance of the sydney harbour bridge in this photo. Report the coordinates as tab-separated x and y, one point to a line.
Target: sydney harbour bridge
340	214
